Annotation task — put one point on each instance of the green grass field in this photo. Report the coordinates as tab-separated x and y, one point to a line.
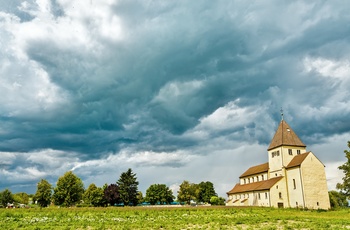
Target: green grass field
172	218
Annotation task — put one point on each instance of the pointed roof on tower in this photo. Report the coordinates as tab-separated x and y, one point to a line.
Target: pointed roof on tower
285	136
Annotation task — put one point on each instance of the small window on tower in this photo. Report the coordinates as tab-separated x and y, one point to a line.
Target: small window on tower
280	195
290	152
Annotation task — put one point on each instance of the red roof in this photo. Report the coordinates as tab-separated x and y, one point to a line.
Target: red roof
256	169
256	186
285	136
297	160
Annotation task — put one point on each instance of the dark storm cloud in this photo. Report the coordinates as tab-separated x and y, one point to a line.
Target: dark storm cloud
114	80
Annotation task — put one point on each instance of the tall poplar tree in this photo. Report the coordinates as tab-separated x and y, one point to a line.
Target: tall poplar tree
345	186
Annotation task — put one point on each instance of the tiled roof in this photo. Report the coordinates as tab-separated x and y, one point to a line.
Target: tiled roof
256	186
256	169
297	160
285	136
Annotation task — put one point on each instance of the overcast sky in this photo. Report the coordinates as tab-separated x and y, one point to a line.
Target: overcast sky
175	90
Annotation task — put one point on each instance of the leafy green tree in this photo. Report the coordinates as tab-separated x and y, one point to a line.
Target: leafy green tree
159	193
21	198
337	199
187	192
112	195
69	190
206	191
94	196
43	193
6	197
140	198
345	186
214	200
128	187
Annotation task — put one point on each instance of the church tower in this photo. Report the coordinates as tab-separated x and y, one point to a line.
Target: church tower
284	146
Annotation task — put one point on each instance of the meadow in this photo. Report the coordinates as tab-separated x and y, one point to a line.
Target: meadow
172	218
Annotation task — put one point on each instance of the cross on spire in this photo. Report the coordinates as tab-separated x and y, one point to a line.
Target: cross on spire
281	113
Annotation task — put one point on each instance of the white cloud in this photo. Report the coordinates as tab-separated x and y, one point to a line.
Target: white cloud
171	92
139	159
229	116
25	86
53	160
333	174
7	158
328	68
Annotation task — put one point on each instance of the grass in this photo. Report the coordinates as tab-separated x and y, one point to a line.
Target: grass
172	218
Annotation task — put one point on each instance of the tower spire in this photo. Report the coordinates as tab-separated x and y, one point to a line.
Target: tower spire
281	113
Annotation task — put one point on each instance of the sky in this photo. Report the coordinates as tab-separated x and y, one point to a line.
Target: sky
174	90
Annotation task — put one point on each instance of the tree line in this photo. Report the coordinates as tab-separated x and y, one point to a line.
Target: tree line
69	191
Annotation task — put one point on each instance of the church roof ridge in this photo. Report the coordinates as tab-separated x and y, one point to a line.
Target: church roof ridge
297	160
256	186
256	169
285	136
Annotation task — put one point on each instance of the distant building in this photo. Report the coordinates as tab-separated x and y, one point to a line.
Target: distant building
292	177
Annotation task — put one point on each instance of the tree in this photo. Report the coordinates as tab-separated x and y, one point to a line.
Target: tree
94	196
345	186
206	191
43	193
128	187
111	194
159	193
187	192
21	198
337	199
69	190
6	197
214	200
140	198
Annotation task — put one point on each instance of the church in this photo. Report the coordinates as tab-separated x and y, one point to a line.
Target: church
292	178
